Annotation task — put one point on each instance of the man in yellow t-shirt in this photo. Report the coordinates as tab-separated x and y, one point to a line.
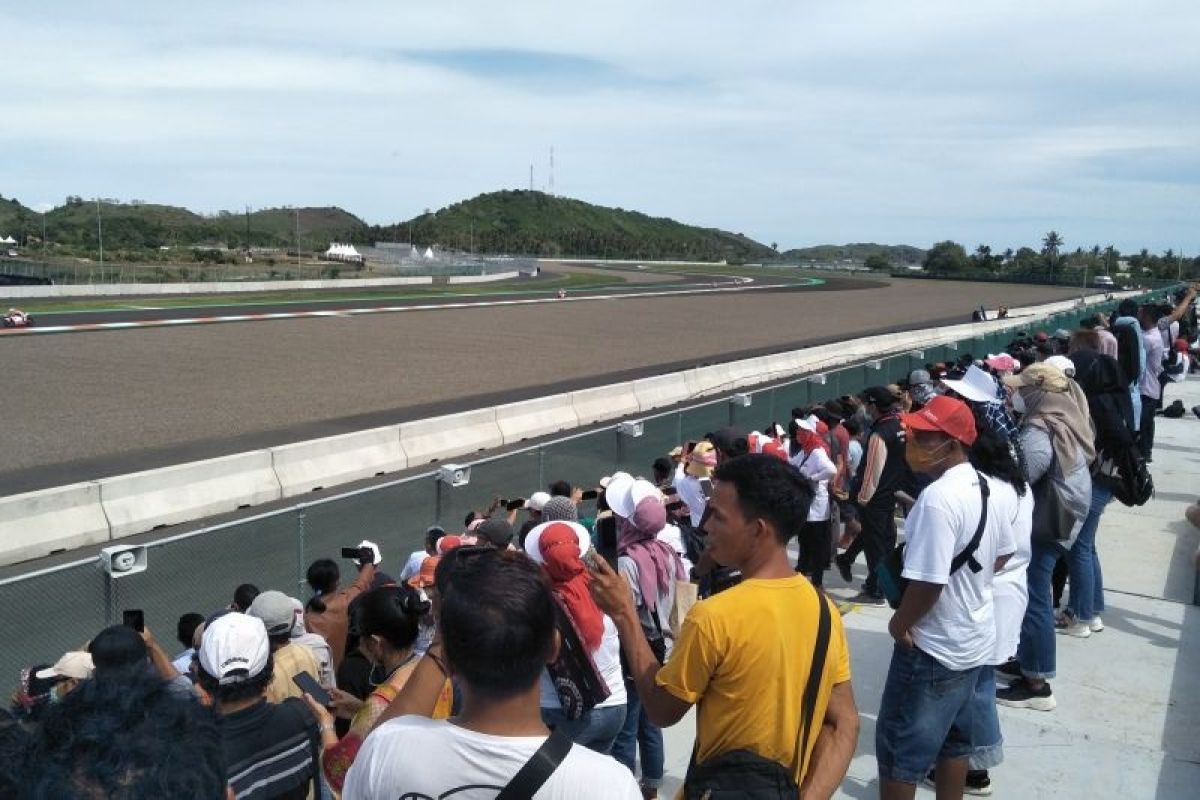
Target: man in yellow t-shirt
743	656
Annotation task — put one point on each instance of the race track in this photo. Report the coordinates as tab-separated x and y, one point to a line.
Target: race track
81	406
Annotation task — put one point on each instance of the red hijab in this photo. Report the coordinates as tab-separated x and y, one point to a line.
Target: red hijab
562	562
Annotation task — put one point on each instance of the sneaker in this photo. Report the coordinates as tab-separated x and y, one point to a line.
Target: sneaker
1020	694
1009	669
1096	624
865	598
1072	627
978	782
843	568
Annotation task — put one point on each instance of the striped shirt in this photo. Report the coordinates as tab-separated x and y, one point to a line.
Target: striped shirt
271	751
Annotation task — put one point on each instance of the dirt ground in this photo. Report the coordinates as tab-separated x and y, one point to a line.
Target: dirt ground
85	405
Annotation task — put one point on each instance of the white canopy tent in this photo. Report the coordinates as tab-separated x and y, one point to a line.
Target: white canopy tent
343	252
8	240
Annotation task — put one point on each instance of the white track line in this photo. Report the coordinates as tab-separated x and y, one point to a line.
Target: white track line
744	284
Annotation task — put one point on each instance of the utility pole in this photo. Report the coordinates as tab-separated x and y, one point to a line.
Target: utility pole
247	230
472	250
531	177
297	237
100	236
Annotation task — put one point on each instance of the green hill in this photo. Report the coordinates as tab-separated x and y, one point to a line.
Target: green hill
858	253
133	227
535	223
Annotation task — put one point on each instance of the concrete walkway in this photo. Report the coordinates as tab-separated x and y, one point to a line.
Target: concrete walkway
1128	718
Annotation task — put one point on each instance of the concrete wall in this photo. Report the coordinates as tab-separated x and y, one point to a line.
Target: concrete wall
38	523
216	287
492	278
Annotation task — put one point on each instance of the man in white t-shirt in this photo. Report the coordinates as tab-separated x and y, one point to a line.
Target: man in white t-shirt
944	629
497	634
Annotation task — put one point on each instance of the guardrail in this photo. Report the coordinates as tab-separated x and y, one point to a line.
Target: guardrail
213	287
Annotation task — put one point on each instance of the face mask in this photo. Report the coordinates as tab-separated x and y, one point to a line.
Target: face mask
921	460
1018	403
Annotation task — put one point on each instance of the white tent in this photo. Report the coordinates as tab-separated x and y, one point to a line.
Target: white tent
8	240
343	252
429	252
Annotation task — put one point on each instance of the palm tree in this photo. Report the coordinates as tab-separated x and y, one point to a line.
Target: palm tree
1050	244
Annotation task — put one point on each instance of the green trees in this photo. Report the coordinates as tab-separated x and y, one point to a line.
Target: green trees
946	258
877	263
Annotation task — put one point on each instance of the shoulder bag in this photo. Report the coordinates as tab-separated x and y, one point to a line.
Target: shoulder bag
745	774
890	571
538	769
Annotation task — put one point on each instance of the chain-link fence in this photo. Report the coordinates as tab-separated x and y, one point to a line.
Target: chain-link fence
50	611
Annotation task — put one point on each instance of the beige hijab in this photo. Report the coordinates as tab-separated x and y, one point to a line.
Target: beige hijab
1057	405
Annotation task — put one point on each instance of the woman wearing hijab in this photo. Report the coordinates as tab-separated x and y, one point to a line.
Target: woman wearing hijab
1057	445
809	454
558	547
651	567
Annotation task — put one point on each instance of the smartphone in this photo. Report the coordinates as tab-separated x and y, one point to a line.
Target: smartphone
308	684
134	618
706	488
677	505
590	494
363	555
514	504
670	491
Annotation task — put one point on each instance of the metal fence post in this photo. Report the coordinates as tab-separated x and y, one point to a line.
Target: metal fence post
300	570
541	451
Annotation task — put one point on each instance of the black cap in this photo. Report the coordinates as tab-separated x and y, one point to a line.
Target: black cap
496	532
880	396
117	646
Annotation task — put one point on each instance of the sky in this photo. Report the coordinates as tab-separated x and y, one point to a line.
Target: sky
795	123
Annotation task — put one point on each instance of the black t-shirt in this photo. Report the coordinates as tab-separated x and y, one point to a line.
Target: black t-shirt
272	751
896	476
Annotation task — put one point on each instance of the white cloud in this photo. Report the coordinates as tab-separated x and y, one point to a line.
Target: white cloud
796	123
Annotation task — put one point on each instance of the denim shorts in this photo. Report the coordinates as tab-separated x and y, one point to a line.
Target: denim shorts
987	743
926	714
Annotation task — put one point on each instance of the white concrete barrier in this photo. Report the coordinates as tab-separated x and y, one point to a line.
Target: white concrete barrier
605	403
143	501
216	287
529	419
319	463
452	435
39	523
492	278
664	390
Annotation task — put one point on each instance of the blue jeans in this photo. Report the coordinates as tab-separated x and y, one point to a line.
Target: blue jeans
1087	583
1036	650
986	739
927	713
639	730
595	730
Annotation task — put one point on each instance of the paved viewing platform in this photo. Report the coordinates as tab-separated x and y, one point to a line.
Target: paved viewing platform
1127	723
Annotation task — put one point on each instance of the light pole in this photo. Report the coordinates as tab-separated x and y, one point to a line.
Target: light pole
100	236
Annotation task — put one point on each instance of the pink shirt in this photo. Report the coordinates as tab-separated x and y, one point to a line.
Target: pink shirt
1108	342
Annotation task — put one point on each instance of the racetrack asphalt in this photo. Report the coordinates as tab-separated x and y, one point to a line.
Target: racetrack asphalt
88	405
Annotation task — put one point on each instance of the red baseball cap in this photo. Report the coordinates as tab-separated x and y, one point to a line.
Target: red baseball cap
946	415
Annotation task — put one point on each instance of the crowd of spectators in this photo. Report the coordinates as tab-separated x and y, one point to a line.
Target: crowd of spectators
540	649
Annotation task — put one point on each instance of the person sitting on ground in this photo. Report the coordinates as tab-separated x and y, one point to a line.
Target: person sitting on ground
760	633
558	547
270	750
185	632
243	596
388	620
957	534
278	615
497	622
413	565
125	735
326	612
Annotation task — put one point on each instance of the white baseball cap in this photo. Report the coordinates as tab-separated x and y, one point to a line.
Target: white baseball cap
234	648
537	501
976	385
75	664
